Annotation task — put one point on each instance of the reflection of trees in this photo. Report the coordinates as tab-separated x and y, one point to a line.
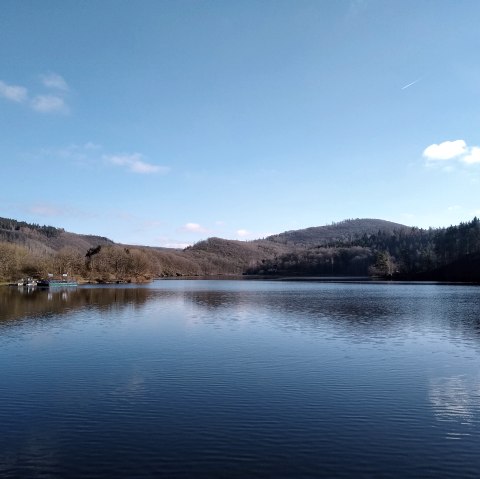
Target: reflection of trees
17	303
302	310
360	310
363	311
213	299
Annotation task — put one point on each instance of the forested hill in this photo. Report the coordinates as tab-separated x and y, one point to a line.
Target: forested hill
343	231
443	254
45	239
357	247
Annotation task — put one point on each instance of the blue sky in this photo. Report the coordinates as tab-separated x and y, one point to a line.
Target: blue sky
165	122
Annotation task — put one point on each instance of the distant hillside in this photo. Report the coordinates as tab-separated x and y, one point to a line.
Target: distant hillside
217	255
46	239
353	247
344	231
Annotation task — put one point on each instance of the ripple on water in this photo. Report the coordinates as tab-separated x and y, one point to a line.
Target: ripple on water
242	379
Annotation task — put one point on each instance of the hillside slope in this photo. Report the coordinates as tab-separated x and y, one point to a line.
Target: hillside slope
352	247
46	239
343	231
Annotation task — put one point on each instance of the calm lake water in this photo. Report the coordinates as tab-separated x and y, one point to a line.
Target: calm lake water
237	379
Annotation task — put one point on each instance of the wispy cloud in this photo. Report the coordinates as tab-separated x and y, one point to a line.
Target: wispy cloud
356	8
93	156
79	153
456	150
14	93
50	210
91	146
42	209
55	81
135	163
54	102
49	104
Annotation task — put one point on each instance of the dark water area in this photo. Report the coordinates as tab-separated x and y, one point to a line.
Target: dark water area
234	379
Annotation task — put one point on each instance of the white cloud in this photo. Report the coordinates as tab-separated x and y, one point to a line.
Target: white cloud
193	228
90	155
43	103
174	244
454	208
473	156
446	150
456	151
135	163
243	233
13	92
49	104
55	81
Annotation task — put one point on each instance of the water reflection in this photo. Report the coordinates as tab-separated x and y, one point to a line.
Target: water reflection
362	311
17	304
199	379
455	400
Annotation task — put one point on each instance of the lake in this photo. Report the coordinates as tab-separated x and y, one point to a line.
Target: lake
237	379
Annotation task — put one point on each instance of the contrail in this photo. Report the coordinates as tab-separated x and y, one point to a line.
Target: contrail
410	84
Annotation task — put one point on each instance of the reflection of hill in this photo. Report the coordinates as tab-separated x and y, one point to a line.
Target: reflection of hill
364	312
16	303
303	310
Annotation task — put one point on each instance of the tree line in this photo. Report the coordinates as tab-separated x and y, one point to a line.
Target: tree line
14	225
402	253
406	253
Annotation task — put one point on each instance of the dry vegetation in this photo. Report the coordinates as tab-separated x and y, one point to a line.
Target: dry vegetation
32	250
352	247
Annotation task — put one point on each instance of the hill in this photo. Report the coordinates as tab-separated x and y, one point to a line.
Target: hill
346	230
221	256
352	247
46	239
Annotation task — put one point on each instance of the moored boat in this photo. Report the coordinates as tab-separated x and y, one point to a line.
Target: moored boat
56	283
29	283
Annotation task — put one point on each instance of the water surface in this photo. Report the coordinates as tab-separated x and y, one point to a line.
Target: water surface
241	379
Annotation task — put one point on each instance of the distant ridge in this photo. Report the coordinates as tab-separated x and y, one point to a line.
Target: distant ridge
46	239
346	230
354	247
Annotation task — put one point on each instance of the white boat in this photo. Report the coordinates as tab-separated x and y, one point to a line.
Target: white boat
29	283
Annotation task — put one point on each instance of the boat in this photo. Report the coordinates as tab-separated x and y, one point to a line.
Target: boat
29	283
56	283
